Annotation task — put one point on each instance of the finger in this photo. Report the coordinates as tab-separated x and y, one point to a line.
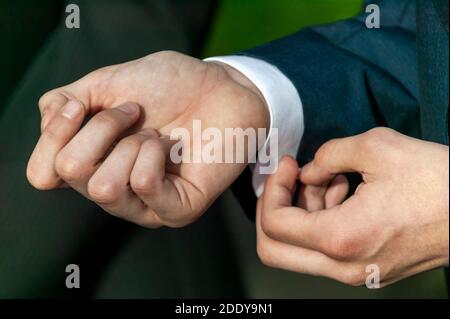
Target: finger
51	106
337	191
88	90
292	258
296	226
163	192
314	198
41	167
79	159
110	185
311	197
281	184
334	157
333	231
293	225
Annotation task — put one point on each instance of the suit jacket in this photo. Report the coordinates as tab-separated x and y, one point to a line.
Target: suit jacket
351	78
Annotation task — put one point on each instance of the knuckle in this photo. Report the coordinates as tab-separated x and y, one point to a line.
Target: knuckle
177	221
98	75
264	253
68	168
376	139
352	276
321	157
269	225
381	131
39	181
165	54
150	225
103	192
345	247
144	185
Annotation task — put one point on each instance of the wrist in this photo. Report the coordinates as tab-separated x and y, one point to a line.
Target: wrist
261	110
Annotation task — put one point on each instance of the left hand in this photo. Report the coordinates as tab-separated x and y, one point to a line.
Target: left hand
119	160
398	217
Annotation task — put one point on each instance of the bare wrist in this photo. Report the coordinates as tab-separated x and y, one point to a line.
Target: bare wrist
262	110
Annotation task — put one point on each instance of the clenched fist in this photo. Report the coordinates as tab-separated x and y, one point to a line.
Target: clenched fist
119	158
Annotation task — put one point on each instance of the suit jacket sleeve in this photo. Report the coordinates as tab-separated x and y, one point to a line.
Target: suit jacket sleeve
350	78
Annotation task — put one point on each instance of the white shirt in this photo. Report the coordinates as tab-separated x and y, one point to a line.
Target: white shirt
283	101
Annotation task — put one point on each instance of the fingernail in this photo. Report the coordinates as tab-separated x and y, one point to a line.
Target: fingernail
72	109
129	108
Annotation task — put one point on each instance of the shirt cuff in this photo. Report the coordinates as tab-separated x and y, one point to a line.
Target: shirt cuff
285	109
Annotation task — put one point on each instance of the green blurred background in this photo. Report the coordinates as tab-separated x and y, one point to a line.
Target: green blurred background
238	24
242	24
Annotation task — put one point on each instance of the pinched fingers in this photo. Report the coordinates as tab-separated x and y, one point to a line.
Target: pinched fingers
314	198
321	230
295	239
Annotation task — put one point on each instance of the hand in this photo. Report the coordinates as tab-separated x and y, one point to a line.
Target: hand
134	179
397	218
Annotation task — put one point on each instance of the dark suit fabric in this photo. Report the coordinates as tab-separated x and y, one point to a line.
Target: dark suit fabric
351	78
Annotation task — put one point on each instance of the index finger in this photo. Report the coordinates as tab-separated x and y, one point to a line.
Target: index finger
41	167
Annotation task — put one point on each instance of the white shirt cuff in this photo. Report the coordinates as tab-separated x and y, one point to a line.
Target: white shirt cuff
285	108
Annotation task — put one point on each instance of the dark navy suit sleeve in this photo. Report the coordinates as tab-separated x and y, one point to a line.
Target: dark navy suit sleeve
350	78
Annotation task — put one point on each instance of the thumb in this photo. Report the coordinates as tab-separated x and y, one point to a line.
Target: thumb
280	186
87	90
337	156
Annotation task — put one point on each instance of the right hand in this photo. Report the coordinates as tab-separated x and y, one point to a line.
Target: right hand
134	181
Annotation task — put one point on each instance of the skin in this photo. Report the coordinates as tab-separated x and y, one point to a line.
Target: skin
398	217
119	159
